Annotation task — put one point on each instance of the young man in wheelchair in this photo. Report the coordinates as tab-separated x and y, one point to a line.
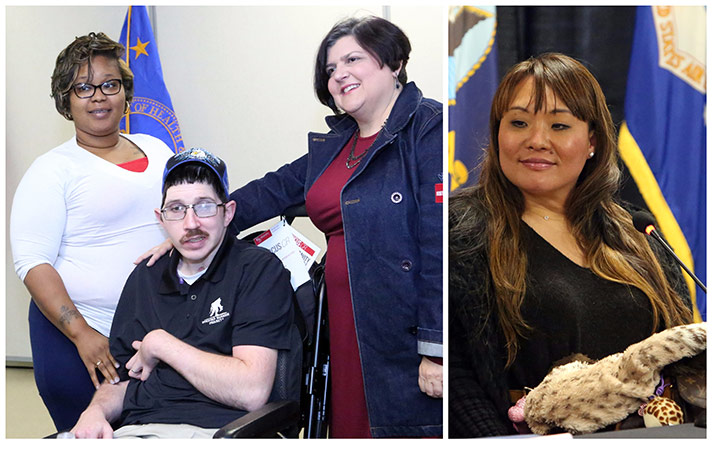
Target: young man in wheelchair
197	334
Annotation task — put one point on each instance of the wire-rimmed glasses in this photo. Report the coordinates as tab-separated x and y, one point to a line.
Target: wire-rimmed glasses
203	210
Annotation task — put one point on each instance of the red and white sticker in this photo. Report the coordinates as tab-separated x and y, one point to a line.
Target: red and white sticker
438	193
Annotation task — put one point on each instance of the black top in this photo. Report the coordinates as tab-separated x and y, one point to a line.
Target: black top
569	309
572	310
244	298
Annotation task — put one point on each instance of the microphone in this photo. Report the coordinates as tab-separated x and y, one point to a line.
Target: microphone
645	223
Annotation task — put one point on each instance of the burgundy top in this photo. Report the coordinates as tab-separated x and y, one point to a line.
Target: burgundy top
349	416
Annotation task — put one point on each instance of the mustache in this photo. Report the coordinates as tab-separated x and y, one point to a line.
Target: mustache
192	234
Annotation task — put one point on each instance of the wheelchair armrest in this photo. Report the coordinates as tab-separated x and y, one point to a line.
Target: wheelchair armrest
264	422
295	211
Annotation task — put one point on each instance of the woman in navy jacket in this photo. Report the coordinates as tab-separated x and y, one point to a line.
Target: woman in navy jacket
373	185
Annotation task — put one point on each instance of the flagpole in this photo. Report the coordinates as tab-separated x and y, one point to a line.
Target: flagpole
127	60
153	21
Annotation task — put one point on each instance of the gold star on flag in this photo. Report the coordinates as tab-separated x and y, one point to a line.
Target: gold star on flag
140	48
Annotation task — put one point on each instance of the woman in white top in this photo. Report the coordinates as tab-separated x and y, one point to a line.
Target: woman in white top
81	215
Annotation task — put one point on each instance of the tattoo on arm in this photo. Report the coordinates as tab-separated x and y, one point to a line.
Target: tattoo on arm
67	315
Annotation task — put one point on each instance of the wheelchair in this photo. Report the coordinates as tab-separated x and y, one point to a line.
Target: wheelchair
290	418
287	416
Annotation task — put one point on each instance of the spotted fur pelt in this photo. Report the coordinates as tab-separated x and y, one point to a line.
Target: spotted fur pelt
583	397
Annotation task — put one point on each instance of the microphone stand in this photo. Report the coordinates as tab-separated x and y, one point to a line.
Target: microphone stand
656	235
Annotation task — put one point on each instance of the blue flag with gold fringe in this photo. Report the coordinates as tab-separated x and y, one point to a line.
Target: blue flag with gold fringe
663	139
473	78
151	111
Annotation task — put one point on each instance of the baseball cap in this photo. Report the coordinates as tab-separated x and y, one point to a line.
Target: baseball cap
202	156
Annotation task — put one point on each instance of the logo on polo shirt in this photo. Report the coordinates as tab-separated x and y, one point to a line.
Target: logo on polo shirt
217	313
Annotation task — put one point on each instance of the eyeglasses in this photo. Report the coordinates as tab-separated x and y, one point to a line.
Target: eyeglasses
202	210
85	90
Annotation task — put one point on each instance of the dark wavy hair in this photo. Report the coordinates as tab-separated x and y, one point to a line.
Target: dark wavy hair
80	52
381	38
603	229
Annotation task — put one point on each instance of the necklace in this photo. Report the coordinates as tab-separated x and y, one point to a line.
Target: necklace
546	217
352	159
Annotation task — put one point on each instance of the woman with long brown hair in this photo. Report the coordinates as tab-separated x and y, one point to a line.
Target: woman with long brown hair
544	259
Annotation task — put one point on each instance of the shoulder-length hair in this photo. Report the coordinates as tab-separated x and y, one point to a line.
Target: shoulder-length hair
603	229
80	52
384	40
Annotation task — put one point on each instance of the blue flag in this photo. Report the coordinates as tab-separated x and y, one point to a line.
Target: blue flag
473	78
151	111
663	140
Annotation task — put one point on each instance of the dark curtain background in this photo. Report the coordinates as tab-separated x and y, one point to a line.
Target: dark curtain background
598	36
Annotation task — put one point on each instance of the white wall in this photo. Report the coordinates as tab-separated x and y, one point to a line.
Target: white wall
240	79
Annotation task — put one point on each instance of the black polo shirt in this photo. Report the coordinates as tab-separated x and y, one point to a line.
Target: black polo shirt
244	298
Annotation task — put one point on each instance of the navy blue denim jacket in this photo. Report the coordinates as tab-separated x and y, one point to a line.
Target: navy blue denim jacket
393	225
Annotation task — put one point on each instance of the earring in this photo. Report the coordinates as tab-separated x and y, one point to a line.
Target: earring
127	107
397	83
591	155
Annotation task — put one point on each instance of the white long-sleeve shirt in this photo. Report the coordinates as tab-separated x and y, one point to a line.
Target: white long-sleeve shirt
89	219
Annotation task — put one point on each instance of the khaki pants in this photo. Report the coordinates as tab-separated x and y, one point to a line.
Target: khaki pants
164	430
